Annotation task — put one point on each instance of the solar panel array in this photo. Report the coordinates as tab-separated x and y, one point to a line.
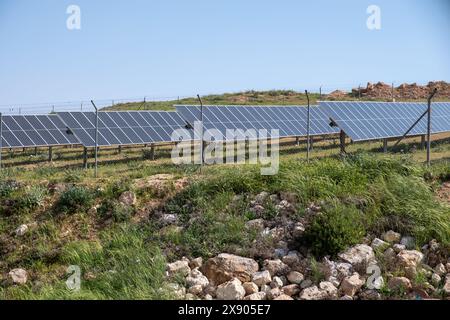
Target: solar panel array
123	128
35	131
291	121
378	120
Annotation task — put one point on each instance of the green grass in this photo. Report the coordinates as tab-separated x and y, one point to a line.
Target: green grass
125	259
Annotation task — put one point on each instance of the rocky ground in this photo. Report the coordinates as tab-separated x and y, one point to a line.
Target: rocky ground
405	91
404	272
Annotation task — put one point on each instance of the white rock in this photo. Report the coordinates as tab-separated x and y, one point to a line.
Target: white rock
256	296
378	244
265	288
196	278
18	276
295	277
329	288
346	298
273	293
190	296
440	269
351	285
299	230
276	282
256	224
447	285
410	258
291	290
343	269
196	263
208	297
250	288
225	267
391	236
358	255
231	290
21	230
178	267
313	293
435	279
195	290
398	247
261	278
276	267
283	297
128	198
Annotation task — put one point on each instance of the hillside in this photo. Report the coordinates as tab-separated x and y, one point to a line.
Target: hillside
372	92
152	230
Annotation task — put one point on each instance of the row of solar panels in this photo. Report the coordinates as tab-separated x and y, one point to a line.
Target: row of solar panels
359	120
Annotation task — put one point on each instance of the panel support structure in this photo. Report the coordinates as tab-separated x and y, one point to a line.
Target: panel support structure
385	145
50	154
85	157
342	141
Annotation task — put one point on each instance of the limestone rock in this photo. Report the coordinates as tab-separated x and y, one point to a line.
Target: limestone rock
128	198
359	255
256	296
261	278
410	258
21	230
291	290
231	290
295	277
329	288
283	297
225	267
276	267
18	276
313	293
178	267
391	236
378	244
196	278
250	288
351	285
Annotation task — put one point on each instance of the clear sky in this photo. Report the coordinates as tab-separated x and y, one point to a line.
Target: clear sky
176	48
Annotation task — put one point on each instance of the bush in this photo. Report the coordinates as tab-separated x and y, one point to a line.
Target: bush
7	187
334	230
73	176
148	154
33	198
115	210
75	199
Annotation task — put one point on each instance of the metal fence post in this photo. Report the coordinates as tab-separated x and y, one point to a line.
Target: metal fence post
429	126
308	127
202	128
96	138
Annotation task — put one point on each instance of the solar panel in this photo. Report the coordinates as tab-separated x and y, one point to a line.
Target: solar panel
35	131
123	127
363	121
291	121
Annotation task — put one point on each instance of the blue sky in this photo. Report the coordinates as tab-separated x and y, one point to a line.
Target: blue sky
177	48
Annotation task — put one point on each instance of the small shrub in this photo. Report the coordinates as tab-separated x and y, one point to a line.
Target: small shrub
75	199
73	176
115	189
33	198
7	187
115	210
334	230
